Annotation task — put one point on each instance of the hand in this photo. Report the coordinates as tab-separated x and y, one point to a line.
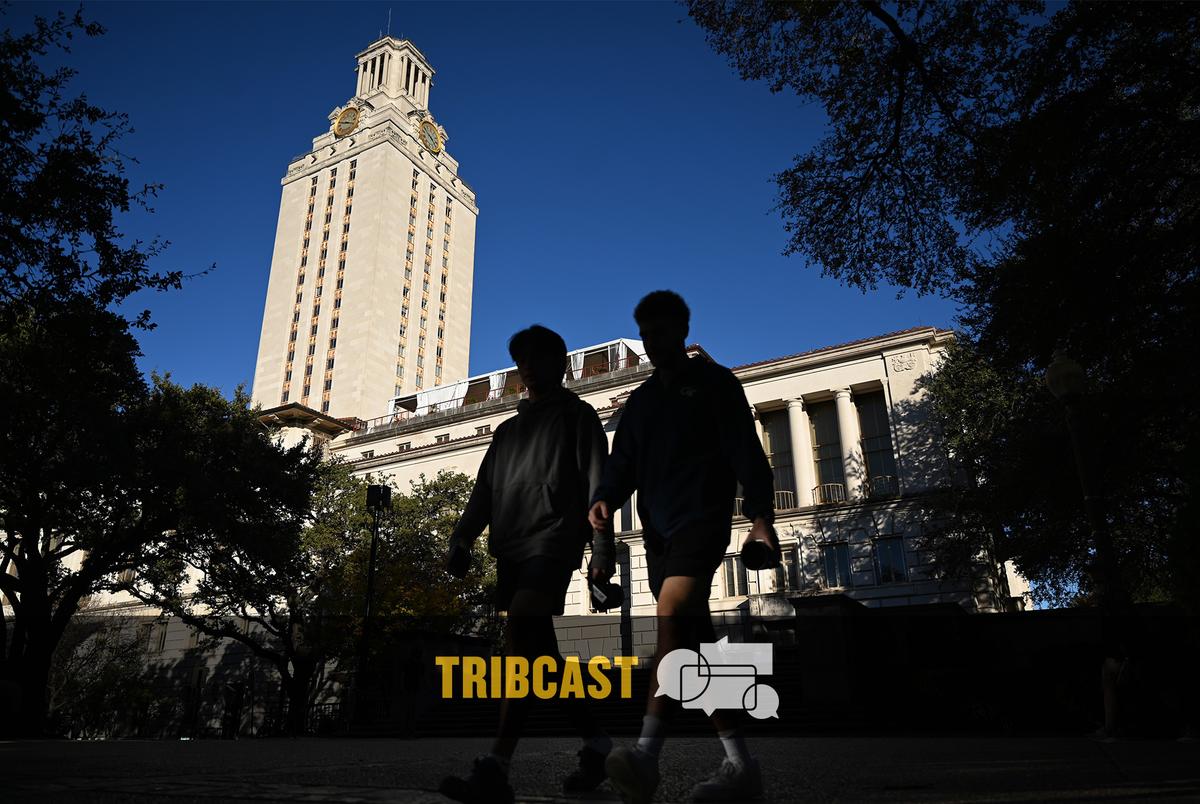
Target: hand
764	532
598	575
761	537
458	562
598	515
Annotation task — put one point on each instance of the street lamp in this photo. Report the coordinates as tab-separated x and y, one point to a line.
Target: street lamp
379	499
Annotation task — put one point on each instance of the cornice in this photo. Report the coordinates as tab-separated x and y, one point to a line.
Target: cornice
868	348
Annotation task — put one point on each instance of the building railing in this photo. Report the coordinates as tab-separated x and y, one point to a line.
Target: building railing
784	501
588	374
883	486
829	493
877	487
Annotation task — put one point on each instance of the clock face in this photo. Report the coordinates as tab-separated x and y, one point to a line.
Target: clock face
430	137
347	121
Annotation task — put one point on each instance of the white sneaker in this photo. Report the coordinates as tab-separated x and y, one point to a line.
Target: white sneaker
731	782
633	773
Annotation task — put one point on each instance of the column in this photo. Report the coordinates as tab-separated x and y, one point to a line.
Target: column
802	452
850	438
758	425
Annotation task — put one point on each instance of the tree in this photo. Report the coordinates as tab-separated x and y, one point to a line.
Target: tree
1041	170
293	595
98	679
65	184
101	474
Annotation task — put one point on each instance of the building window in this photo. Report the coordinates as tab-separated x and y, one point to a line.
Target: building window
329	364
441	439
889	560
827	453
877	445
404	446
368	453
325	406
735	576
835	562
484	430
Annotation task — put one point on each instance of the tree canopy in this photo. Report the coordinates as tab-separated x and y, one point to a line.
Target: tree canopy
1041	170
65	183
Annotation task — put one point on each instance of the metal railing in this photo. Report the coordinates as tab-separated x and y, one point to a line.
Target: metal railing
588	374
883	486
784	501
829	493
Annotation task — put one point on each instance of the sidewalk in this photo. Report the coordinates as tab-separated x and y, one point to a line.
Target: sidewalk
794	769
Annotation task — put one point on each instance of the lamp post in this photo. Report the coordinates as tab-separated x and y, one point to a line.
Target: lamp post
379	499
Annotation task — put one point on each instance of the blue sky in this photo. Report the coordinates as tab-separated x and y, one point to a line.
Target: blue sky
613	153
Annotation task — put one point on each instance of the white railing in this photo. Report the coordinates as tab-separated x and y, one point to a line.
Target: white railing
829	493
588	374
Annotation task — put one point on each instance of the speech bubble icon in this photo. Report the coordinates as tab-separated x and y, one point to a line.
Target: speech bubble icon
670	669
693	684
761	701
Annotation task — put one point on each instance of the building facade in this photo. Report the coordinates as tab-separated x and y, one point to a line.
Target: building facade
369	295
846	430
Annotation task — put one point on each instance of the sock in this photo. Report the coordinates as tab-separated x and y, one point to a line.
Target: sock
600	742
653	734
735	747
503	762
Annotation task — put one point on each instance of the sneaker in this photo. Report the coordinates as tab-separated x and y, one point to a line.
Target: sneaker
487	784
633	773
731	782
589	774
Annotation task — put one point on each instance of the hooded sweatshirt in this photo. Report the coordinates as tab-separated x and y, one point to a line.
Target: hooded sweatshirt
534	484
685	447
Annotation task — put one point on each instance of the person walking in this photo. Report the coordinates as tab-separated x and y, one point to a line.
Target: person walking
685	439
532	493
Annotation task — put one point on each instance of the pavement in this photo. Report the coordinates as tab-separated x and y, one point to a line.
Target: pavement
841	768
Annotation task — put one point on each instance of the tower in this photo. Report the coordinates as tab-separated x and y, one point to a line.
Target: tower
370	289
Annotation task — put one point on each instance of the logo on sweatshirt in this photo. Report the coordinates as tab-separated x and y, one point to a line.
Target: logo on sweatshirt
722	675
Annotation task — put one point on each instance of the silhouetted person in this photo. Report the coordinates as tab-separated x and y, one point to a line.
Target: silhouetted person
685	439
532	492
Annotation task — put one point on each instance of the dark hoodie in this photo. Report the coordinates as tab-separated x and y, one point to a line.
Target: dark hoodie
535	482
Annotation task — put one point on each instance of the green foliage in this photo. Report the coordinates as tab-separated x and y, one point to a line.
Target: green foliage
1041	170
414	586
64	183
98	677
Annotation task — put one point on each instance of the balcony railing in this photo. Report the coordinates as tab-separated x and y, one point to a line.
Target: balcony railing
784	501
589	374
883	486
829	493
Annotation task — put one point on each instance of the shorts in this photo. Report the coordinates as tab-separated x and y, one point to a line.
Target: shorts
694	551
550	575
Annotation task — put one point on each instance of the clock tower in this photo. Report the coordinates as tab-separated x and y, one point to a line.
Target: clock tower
369	295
